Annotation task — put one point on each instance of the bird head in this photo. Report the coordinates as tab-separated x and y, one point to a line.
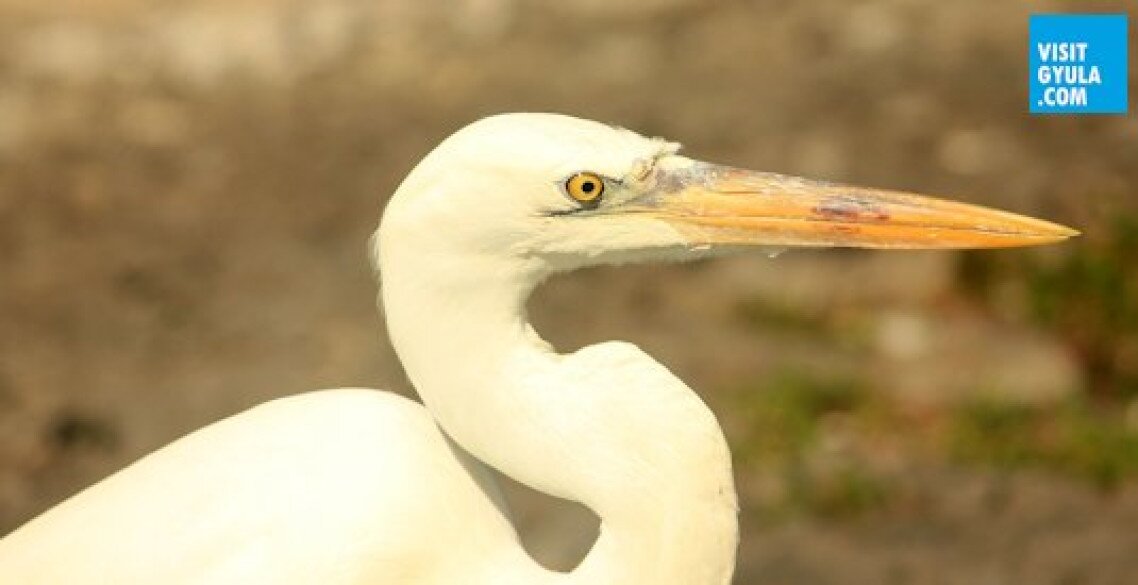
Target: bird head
563	193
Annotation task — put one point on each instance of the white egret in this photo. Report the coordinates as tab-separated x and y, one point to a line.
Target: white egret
357	486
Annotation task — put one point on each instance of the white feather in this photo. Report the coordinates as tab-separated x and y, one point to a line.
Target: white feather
361	487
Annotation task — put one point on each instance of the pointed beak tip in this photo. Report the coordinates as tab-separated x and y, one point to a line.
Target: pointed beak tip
1060	233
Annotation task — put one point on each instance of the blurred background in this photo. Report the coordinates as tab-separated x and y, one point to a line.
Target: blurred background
186	189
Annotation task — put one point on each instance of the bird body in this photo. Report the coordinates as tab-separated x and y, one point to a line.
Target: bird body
334	487
363	487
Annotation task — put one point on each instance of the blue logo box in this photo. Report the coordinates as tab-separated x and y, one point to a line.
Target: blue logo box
1078	64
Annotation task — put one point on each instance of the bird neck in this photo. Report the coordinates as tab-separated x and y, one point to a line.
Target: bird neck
606	426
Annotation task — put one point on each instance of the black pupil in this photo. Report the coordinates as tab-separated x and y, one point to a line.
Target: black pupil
588	186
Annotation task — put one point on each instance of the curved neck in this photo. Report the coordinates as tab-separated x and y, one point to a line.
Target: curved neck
658	477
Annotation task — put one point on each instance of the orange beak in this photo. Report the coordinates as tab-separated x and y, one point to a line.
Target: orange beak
718	205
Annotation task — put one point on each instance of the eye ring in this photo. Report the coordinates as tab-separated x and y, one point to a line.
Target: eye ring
585	188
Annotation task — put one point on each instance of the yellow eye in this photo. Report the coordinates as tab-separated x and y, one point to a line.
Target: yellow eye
585	188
